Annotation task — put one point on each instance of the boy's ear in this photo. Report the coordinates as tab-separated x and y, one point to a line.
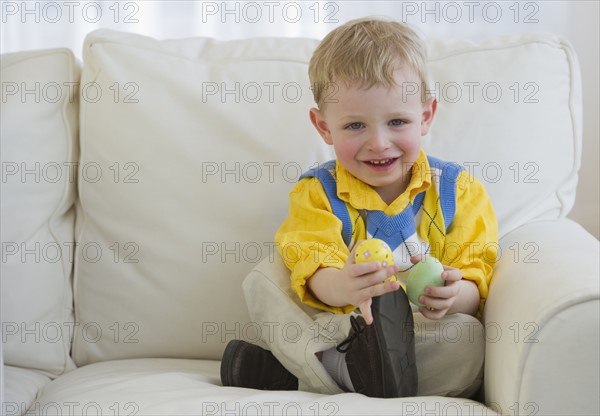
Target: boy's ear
429	108
316	118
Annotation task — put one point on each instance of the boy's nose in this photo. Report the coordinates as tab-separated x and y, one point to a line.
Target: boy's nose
378	141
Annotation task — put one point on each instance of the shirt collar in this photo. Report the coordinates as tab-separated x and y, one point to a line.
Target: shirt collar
362	196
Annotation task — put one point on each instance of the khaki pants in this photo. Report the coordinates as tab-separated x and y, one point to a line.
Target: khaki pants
449	352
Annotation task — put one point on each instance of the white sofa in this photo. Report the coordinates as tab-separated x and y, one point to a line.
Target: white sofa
141	186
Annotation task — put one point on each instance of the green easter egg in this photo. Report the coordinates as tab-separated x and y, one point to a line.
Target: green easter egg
425	273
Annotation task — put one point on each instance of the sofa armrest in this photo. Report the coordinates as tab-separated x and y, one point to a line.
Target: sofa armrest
542	322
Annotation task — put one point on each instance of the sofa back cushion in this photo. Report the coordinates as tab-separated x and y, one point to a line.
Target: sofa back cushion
510	112
190	147
187	159
39	152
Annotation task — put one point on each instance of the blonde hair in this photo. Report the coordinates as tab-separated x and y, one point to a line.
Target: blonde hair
366	52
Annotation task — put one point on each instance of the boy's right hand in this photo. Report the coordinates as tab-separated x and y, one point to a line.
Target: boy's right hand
366	283
354	284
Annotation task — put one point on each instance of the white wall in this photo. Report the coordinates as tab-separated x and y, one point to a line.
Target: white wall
43	24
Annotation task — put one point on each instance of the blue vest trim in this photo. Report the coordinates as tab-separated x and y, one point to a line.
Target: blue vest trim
393	230
449	175
323	173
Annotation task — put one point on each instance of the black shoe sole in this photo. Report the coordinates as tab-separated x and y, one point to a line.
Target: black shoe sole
228	363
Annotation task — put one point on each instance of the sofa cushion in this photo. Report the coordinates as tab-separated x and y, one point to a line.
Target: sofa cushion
22	388
499	105
187	159
39	155
193	387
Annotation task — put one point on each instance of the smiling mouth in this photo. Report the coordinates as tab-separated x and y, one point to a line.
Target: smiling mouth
381	162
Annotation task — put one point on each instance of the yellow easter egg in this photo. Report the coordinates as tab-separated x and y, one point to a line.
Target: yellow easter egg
377	250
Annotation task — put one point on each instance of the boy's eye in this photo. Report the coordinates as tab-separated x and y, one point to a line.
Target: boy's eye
397	122
354	126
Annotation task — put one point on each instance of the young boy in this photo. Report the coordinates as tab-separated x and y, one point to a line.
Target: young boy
365	75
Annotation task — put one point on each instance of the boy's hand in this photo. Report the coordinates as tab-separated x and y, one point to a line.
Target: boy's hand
353	284
364	281
438	301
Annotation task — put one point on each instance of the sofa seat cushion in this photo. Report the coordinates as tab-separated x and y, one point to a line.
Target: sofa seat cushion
21	389
186	387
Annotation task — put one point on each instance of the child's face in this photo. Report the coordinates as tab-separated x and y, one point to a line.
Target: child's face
376	132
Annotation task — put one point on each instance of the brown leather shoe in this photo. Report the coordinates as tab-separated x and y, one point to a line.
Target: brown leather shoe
381	356
248	365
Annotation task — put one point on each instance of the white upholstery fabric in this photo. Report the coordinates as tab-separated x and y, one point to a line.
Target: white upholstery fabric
192	387
39	153
499	106
207	187
21	390
542	320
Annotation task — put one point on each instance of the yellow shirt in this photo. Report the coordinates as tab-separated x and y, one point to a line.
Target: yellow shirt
311	236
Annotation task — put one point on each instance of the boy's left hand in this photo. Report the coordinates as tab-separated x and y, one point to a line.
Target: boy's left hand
438	301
